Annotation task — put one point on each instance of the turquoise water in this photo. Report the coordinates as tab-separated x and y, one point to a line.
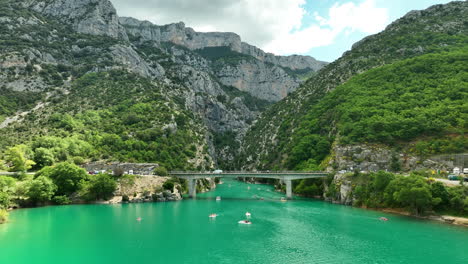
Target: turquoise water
299	231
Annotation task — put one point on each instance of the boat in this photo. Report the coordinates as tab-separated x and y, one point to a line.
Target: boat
218	198
247	214
212	215
283	199
245	222
138	219
383	219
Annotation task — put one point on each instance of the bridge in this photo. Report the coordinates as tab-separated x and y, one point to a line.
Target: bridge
285	176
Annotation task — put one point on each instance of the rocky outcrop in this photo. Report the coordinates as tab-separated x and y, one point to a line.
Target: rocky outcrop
371	158
96	17
261	80
293	62
130	60
226	95
185	36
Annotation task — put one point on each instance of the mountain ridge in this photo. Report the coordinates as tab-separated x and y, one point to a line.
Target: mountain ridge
438	28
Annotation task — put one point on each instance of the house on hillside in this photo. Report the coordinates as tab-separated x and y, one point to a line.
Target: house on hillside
456	170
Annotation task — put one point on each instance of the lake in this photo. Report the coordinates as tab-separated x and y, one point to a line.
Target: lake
298	231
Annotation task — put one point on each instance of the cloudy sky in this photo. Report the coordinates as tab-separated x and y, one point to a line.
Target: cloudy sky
323	29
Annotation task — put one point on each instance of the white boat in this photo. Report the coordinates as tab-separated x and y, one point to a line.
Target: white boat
218	198
283	199
245	222
212	215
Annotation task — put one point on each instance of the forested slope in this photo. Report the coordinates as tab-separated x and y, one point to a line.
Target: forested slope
440	28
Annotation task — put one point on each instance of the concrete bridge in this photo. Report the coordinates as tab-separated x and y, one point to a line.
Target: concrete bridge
286	177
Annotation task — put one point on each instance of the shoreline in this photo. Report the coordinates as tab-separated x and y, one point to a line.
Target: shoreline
446	219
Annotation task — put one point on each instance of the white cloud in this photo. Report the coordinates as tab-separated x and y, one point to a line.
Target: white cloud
343	18
273	25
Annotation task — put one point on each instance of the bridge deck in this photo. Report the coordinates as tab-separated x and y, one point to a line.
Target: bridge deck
290	175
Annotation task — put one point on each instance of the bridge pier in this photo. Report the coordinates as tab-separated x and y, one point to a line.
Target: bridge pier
192	188
288	189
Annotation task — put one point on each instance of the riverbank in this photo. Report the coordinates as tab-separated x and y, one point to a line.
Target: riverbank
298	231
128	189
416	195
447	219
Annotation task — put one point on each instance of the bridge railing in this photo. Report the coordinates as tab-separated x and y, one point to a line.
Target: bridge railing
245	172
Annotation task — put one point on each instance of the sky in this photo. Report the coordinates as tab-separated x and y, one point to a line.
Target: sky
323	29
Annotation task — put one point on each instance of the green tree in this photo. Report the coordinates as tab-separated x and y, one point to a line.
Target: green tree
100	186
168	185
438	190
160	171
7	184
67	176
41	190
17	157
43	157
4	200
416	198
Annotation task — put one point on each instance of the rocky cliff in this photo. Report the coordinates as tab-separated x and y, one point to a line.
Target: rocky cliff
179	34
223	82
94	17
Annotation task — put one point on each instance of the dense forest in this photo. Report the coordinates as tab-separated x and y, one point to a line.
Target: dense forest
422	100
419	105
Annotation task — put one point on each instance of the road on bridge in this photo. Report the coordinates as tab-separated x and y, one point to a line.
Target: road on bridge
285	176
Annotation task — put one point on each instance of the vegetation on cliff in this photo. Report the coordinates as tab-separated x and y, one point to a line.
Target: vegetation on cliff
436	30
416	193
114	115
420	97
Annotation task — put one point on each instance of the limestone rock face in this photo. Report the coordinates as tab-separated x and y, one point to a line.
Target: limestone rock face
226	92
293	62
130	59
96	17
261	80
179	34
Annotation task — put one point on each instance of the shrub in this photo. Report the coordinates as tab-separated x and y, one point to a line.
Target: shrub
125	198
61	200
4	200
7	184
168	185
43	157
160	171
41	190
18	158
101	186
78	160
3	216
158	189
66	176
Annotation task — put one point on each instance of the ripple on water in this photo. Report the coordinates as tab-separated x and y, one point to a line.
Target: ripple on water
300	231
